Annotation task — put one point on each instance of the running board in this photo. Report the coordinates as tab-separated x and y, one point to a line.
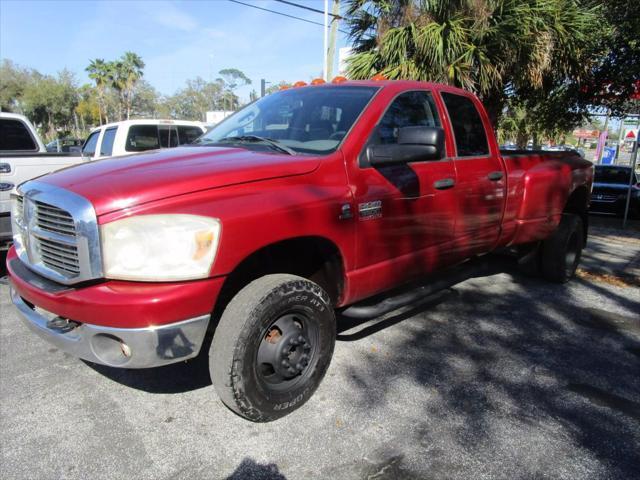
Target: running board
398	298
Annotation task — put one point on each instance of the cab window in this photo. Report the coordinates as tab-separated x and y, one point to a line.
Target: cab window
410	109
15	136
141	138
90	145
471	139
188	134
106	148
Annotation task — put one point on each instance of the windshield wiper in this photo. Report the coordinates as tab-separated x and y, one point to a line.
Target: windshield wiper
256	139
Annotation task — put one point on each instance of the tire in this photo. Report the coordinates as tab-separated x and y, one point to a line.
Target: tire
560	253
272	347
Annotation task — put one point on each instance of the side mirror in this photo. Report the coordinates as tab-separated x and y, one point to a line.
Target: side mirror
415	144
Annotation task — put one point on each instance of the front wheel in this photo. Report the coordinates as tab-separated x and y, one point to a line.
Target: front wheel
272	346
561	252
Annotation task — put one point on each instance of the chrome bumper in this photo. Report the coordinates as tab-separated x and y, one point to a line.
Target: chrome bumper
120	347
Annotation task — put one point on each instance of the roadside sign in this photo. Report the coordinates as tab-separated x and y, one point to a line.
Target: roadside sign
608	155
601	142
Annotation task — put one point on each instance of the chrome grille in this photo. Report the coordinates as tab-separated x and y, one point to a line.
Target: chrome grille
56	233
54	219
59	257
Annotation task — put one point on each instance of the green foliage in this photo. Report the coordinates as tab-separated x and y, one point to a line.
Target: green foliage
193	101
118	91
13	81
495	48
51	102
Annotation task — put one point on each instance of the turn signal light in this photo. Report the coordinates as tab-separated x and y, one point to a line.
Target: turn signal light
339	79
317	81
285	87
300	83
378	77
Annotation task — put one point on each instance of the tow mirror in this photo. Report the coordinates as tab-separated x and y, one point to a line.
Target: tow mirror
415	144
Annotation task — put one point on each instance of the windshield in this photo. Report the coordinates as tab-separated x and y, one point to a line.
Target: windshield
305	120
612	175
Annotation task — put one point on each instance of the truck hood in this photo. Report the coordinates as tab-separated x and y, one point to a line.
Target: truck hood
161	174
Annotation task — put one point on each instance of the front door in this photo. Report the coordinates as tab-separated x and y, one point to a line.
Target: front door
405	213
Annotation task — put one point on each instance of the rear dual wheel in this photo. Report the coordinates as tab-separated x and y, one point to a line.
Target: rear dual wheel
272	347
557	257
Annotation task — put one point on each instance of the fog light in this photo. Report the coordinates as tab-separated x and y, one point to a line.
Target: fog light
110	349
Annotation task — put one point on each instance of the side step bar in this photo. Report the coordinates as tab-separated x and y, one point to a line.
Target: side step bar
389	301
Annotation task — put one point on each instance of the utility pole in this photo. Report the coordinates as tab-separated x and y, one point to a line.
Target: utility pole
263	87
634	159
326	27
335	18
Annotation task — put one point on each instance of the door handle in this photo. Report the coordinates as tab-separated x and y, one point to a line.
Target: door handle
495	176
444	183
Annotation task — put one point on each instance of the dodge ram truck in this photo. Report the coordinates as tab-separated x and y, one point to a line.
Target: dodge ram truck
310	201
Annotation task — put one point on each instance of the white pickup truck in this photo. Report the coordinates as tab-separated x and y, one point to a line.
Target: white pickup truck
135	136
23	156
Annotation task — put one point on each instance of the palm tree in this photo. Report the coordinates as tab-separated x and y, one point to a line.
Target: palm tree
492	47
130	71
99	72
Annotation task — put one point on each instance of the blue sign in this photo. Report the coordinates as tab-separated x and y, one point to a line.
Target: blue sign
608	155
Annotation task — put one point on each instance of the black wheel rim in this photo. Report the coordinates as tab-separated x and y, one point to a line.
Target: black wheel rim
287	353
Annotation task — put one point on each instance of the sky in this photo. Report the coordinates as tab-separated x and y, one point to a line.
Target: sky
177	40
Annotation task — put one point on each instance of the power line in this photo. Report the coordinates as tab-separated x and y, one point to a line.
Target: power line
311	9
283	14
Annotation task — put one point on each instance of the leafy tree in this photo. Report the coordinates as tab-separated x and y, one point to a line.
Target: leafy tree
88	109
13	81
100	72
125	73
232	78
51	102
495	48
193	101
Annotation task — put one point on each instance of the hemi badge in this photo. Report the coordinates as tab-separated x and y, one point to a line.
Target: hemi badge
370	210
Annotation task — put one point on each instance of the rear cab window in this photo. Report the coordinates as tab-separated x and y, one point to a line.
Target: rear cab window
168	136
89	148
141	138
15	136
188	134
468	129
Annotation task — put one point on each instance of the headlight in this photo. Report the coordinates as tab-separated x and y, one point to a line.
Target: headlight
160	247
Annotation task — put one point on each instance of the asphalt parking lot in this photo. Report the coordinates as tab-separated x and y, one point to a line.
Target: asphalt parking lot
500	377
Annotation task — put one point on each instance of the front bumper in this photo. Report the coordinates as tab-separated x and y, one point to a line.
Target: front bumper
116	323
119	347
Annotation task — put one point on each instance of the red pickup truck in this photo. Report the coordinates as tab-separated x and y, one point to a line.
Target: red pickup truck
305	202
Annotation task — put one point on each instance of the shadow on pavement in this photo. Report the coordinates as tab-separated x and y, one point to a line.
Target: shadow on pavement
250	469
176	378
538	362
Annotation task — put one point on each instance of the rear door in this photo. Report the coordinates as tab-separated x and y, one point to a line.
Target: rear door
481	182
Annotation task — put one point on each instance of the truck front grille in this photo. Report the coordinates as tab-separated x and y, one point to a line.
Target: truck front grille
54	219
59	257
56	233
